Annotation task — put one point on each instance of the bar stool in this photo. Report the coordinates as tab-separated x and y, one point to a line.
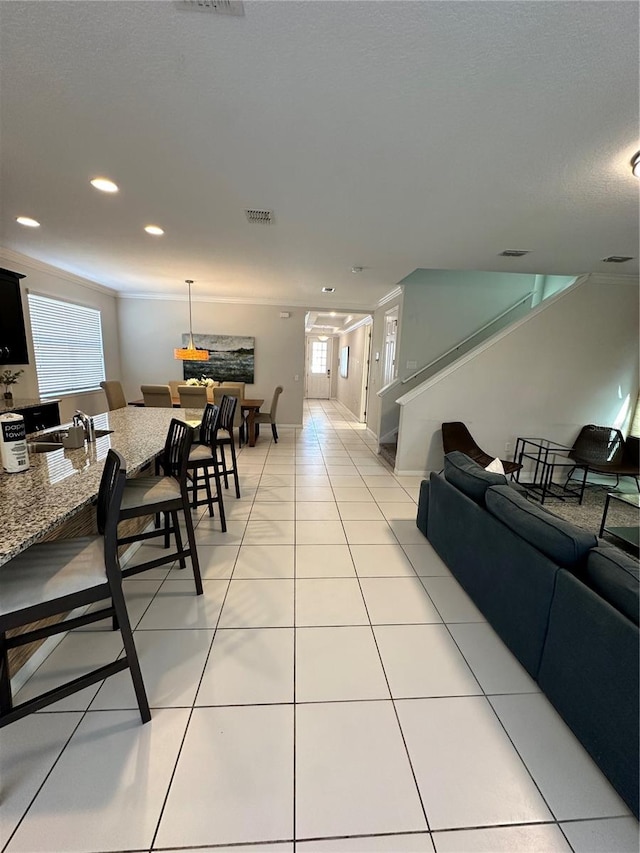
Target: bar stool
167	494
56	577
226	424
204	463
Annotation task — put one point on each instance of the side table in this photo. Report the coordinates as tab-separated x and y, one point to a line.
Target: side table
629	533
547	457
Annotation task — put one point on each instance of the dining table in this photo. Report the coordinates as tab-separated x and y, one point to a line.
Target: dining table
248	406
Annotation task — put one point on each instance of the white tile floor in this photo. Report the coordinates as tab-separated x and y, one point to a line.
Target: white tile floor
333	691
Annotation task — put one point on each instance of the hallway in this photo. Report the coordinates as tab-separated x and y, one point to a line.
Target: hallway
333	691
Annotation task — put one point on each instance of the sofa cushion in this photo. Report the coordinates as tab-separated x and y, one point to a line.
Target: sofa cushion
563	542
615	576
469	477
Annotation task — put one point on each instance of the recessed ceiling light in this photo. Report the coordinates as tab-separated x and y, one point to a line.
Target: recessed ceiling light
104	185
356	269
154	229
328	289
26	220
635	165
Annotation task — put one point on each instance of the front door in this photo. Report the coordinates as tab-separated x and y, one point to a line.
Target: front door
318	378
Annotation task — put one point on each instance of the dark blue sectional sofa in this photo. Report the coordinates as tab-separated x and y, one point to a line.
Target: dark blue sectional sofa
565	603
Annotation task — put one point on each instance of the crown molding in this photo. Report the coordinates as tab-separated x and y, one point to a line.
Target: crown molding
41	266
612	278
393	294
366	321
232	300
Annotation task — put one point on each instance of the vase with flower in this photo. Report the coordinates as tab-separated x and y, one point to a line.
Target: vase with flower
9	378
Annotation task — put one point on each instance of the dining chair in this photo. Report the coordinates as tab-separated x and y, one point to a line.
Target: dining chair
239	385
157	396
225	438
204	465
192	396
54	578
270	416
238	419
114	393
164	494
174	384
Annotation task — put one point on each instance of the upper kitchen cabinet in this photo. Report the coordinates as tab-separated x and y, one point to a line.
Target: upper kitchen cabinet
13	339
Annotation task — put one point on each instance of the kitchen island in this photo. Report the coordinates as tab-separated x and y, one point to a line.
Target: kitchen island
37	503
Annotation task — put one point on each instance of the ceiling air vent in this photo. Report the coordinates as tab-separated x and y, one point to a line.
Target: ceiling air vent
222	7
616	259
514	253
261	217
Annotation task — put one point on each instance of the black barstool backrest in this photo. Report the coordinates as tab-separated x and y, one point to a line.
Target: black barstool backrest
209	425
227	412
110	493
175	456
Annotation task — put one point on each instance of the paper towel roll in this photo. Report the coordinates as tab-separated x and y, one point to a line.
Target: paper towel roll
13	443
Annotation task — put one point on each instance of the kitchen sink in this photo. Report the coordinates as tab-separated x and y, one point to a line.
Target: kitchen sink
50	441
55	436
43	446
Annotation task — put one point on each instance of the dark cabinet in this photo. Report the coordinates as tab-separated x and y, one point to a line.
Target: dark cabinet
13	339
41	417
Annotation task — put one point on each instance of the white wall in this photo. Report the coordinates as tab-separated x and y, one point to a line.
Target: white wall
151	328
349	390
572	361
443	307
40	278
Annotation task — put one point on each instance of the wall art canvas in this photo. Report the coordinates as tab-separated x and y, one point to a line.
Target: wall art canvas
231	358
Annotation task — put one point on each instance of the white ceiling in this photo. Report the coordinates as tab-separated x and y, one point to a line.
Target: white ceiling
387	135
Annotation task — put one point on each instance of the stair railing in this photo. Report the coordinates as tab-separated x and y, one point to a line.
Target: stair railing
467	339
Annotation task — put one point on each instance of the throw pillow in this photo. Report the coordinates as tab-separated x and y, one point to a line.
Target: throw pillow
496	467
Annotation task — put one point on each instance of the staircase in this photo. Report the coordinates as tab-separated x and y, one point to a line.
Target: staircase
388	452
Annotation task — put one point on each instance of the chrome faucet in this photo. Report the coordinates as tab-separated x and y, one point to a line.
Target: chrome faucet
83	420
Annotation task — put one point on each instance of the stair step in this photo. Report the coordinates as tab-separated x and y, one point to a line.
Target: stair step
389	451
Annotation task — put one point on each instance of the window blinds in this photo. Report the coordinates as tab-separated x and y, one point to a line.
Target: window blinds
67	340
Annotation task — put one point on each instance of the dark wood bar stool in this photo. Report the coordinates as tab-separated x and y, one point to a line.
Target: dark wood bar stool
56	577
226	439
204	465
167	495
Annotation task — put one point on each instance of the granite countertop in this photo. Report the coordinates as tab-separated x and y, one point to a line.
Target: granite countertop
58	484
22	403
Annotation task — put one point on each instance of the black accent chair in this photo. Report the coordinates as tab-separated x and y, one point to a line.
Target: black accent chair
456	436
54	578
603	450
164	494
226	424
204	465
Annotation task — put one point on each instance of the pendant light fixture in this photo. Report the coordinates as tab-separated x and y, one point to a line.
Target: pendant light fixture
190	353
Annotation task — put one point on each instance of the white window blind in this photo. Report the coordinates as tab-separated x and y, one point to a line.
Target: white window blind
67	340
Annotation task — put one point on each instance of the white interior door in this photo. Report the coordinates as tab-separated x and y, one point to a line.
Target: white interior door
318	368
390	336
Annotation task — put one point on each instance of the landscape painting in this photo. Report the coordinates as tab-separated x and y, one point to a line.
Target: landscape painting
230	358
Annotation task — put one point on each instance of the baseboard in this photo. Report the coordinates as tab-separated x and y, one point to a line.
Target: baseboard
409	473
